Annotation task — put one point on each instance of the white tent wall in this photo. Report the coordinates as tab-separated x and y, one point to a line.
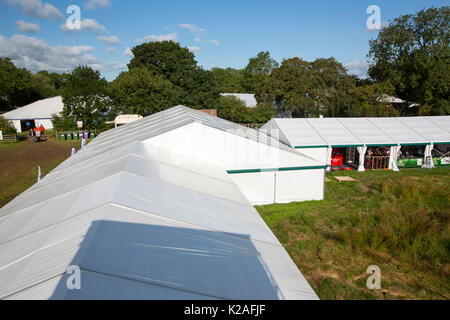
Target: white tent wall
16	124
258	188
320	154
300	185
246	160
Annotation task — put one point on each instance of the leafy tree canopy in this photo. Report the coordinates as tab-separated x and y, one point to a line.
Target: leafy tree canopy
413	55
85	97
139	91
178	65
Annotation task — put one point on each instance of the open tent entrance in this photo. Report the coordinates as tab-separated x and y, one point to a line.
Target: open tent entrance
27	124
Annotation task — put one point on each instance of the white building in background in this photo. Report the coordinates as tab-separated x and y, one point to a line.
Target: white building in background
36	113
160	208
248	98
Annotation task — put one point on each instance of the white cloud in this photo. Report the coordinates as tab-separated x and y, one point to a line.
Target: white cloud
95	4
37	9
161	37
197	39
192	28
86	24
109	40
357	68
36	54
128	52
111	50
214	42
194	48
27	27
113	66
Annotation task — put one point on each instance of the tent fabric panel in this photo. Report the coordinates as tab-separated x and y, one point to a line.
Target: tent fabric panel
258	188
291	186
333	132
366	132
191	207
395	129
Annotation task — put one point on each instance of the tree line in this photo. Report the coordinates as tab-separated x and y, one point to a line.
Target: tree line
409	59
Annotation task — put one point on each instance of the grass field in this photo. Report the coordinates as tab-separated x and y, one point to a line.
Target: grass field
397	221
19	163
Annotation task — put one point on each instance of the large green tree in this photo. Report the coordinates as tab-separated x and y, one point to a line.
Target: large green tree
258	70
85	97
139	91
178	65
413	55
228	80
19	87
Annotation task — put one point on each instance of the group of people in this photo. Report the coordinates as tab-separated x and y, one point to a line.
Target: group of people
37	133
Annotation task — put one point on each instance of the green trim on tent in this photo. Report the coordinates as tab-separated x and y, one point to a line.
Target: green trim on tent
382	145
275	169
347	145
414	144
442	143
310	147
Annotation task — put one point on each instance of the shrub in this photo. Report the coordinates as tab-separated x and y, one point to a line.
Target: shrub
6	126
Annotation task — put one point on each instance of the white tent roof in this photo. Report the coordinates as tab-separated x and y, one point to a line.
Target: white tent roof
248	98
42	109
141	224
316	132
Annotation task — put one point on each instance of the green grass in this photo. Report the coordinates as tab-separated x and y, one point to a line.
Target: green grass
19	162
396	220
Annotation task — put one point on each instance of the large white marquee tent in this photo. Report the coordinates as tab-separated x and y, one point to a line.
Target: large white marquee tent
143	219
317	136
39	112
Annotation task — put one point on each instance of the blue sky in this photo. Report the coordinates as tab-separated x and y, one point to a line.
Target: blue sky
220	33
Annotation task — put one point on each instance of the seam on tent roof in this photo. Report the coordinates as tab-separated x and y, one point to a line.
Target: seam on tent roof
57	196
136	211
132	153
438	125
228	233
435	124
412	129
191	190
385	133
320	136
354	136
117	173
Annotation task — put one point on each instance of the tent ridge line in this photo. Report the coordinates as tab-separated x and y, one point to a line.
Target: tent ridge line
323	139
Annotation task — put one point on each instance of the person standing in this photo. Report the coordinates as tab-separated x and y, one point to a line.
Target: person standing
42	130
32	134
38	135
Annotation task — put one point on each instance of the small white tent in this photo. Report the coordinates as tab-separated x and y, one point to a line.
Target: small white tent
36	113
145	220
